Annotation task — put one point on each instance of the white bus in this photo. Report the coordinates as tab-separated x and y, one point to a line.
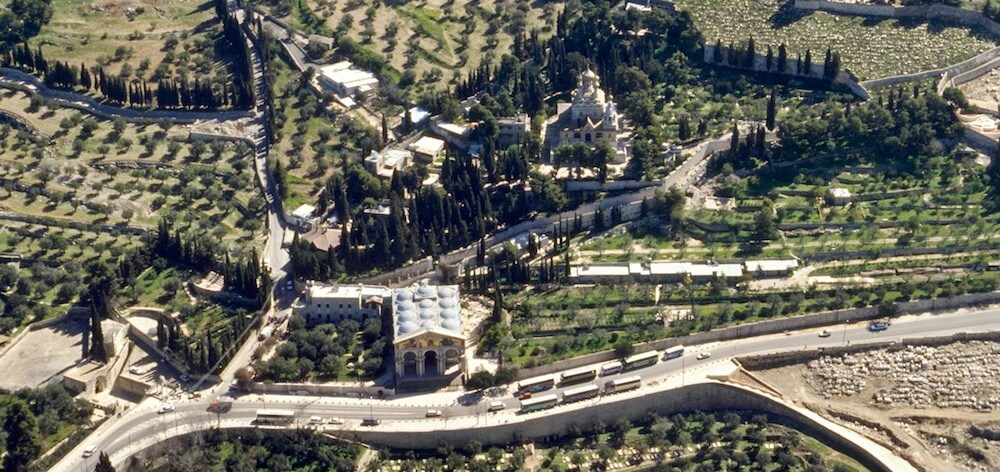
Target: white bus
277	417
537	384
581	393
639	361
622	384
611	368
539	403
673	353
582	374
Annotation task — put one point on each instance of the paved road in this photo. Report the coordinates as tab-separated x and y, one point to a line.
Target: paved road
19	79
142	423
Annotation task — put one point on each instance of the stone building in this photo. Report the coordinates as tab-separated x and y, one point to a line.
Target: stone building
427	333
590	117
323	303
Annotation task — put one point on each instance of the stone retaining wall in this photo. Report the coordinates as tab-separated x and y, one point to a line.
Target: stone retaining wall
770	327
555	423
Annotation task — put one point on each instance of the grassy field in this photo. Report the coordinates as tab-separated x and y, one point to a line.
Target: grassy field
437	39
870	48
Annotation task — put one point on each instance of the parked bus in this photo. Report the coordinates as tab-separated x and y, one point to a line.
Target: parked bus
639	361
537	384
581	393
622	384
673	353
539	403
276	417
611	368
582	374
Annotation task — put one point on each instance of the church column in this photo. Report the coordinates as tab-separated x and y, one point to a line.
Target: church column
420	364
399	366
441	362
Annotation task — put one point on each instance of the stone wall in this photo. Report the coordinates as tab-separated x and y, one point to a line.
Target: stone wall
703	396
774	361
334	389
770	327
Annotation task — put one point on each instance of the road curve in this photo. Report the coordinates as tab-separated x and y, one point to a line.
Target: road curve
141	426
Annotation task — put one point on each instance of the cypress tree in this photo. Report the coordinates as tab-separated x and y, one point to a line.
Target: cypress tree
782	59
808	63
771	110
769	59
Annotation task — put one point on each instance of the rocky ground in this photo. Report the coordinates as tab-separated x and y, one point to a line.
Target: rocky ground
938	406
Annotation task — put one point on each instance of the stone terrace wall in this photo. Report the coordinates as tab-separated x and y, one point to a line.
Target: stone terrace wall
703	396
770	327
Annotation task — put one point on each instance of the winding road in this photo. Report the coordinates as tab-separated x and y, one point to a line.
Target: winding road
141	426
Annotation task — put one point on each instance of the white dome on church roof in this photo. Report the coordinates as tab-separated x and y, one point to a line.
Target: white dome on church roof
405	306
451	325
428	324
404	295
589	75
449	313
446	292
425	304
407	327
406	316
425	291
448	303
427	314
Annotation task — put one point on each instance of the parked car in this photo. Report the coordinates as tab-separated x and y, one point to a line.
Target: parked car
315	420
165	409
185	378
704	355
433	413
497	406
89	450
825	333
370	422
335	420
524	396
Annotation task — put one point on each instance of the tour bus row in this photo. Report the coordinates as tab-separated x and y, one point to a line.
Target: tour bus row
576	394
585	374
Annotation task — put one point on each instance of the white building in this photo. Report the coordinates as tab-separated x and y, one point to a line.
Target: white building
427	148
345	80
388	161
302	216
324	303
590	118
513	130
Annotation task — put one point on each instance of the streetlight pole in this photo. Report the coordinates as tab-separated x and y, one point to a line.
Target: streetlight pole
843	339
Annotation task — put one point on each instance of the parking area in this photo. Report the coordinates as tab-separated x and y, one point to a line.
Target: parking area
49	351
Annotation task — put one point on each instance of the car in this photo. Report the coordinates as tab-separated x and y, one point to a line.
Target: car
704	355
825	333
89	450
433	413
370	422
496	406
335	420
524	396
165	409
878	326
315	420
185	378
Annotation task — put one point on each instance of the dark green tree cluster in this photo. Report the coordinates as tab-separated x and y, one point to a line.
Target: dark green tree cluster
21	20
901	124
318	351
33	414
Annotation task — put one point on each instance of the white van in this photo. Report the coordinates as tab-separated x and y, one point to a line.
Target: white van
89	450
433	413
315	420
497	405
